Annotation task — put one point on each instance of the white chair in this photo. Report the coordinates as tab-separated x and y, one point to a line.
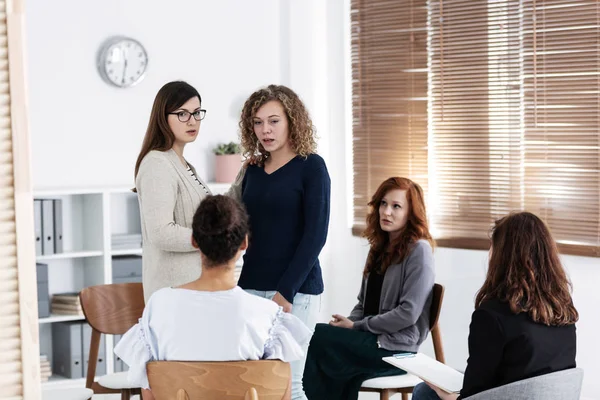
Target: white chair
67	394
389	385
563	385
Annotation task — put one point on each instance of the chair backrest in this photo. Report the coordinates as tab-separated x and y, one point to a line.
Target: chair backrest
109	309
222	380
434	316
563	385
436	305
113	309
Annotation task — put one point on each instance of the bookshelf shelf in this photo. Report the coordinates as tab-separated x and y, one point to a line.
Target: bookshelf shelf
57	381
60	318
129	252
72	254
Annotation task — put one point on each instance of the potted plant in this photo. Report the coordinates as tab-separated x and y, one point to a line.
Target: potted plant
227	162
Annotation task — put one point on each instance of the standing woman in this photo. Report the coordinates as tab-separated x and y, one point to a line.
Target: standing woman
392	313
169	189
286	193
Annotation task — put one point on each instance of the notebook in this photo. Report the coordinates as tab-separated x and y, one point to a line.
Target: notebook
428	369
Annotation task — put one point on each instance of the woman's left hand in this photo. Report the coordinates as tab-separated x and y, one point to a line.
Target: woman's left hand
286	305
341	321
442	394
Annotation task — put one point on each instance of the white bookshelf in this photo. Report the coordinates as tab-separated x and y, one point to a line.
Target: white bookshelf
90	216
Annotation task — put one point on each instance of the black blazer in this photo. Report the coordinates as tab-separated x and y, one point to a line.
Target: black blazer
506	347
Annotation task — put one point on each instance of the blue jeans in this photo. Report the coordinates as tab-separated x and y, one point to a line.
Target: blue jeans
306	307
424	392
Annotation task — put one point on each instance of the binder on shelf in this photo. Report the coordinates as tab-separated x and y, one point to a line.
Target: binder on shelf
126	269
47	227
67	357
58	232
42	290
87	338
37	221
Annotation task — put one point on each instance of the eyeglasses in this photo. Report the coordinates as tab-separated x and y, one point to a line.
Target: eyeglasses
184	116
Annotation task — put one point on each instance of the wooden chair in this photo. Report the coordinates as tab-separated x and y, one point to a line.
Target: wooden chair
112	310
222	380
387	386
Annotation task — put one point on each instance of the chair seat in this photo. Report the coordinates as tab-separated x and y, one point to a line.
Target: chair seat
116	381
392	382
67	394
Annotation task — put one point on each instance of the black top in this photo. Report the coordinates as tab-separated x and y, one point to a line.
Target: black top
289	218
506	347
373	293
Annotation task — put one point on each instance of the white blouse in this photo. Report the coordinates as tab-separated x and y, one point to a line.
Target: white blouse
190	325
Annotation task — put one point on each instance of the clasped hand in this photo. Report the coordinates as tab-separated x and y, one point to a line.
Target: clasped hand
341	321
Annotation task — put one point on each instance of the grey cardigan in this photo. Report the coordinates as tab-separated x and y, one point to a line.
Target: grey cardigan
168	197
403	320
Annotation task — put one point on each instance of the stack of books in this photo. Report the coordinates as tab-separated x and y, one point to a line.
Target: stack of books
45	369
66	304
126	241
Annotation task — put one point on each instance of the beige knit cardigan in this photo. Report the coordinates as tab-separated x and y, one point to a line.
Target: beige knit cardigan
168	197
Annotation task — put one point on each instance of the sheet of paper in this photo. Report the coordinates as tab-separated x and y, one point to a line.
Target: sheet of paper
430	370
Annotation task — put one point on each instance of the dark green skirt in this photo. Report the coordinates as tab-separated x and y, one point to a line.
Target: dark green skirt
339	360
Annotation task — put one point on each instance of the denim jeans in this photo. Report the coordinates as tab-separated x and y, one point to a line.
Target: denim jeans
306	307
424	392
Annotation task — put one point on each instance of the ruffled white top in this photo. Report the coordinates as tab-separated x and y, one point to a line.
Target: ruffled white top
190	325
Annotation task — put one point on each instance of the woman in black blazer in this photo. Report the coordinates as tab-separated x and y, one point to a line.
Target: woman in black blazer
524	320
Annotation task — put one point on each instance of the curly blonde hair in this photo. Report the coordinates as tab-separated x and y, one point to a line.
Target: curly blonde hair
302	133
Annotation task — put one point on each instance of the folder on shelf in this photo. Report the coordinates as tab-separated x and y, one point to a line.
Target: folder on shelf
67	348
58	232
47	227
37	223
430	370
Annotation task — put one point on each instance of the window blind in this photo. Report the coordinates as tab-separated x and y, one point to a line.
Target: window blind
561	119
513	90
515	118
475	118
389	96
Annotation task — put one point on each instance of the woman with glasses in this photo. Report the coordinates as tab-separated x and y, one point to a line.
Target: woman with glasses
286	190
169	189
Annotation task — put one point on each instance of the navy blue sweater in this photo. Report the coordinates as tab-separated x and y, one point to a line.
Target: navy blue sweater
289	218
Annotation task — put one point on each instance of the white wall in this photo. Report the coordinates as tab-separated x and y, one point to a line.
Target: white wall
77	120
86	133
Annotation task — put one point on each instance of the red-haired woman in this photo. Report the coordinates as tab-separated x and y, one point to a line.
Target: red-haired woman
392	314
524	319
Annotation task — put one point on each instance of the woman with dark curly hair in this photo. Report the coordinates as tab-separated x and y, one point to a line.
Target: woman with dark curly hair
210	318
392	314
524	319
286	191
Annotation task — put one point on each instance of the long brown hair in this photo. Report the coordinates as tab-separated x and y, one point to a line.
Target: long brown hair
302	134
158	134
525	271
382	252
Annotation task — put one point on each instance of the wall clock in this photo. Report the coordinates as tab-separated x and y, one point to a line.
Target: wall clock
122	61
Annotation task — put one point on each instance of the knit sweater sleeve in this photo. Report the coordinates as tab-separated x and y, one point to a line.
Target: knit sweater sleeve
157	191
417	287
